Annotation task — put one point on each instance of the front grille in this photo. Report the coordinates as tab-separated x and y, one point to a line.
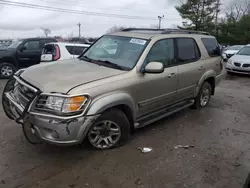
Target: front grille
246	65
237	64
23	94
40	104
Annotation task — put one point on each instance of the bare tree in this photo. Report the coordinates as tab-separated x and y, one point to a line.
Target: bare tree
238	8
115	29
46	31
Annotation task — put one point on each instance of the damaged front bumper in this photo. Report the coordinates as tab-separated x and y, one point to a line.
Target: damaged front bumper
45	127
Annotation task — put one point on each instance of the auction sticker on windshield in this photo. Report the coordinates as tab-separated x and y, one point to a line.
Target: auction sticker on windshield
138	41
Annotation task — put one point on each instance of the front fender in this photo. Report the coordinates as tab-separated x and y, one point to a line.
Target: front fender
108	101
206	75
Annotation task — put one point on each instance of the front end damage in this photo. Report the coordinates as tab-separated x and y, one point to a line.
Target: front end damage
18	99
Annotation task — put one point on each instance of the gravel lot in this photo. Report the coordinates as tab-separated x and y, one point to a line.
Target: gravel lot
220	158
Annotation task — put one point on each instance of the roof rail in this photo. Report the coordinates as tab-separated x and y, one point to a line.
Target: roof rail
167	31
142	29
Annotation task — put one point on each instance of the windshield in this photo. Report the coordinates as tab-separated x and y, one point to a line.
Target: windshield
15	44
122	51
234	48
244	51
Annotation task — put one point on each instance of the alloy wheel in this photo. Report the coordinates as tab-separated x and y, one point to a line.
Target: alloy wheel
6	71
205	96
104	134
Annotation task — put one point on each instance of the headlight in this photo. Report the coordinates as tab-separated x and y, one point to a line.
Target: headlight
65	105
230	62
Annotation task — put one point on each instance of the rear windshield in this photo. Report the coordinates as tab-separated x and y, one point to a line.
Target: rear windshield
211	46
48	49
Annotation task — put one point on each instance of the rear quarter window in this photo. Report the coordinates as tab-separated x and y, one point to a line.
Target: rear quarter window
212	46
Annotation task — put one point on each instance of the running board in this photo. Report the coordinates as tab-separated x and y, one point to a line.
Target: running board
163	113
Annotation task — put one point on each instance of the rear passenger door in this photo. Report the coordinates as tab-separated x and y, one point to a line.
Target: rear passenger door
190	67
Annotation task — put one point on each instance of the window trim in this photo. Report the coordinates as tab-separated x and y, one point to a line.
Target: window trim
145	62
177	51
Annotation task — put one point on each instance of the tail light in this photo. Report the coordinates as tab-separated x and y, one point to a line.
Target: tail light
57	54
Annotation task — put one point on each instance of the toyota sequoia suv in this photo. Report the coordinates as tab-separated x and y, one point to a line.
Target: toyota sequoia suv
124	81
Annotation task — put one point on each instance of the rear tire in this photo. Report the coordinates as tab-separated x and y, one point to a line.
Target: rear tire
111	129
203	97
7	70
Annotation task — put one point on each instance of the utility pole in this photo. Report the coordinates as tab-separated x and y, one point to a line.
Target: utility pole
216	16
79	25
160	18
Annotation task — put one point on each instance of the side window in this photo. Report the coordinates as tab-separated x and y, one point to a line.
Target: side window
162	51
212	47
31	45
79	50
187	50
70	49
75	50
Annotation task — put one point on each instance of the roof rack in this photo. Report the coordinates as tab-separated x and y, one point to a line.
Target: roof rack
165	31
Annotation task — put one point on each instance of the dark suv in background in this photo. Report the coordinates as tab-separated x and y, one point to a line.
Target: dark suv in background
21	54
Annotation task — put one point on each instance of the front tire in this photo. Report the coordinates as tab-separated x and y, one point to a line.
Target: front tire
7	70
111	129
203	97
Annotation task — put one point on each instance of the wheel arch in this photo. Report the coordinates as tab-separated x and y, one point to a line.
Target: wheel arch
209	77
121	101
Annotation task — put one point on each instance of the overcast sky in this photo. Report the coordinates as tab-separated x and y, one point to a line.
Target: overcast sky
19	22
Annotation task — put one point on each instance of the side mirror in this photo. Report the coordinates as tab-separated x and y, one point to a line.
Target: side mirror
23	48
154	68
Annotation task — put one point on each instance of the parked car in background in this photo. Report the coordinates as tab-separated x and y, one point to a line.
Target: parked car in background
240	62
104	94
230	51
21	54
61	51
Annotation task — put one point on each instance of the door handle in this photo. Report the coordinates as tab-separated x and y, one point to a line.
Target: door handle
171	75
201	67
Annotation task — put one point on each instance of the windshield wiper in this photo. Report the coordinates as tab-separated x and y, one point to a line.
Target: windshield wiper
110	64
86	58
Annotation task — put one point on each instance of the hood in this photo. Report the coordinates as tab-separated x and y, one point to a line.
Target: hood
62	76
231	51
6	52
241	58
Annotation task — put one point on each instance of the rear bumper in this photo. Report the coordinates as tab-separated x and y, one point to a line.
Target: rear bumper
53	130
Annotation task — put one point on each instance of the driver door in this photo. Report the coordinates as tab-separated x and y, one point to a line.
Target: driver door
158	90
